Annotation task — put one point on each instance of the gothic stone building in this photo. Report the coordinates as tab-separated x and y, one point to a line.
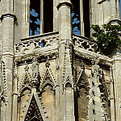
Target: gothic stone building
57	75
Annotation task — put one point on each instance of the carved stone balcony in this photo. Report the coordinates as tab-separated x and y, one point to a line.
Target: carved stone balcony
50	41
39	41
85	43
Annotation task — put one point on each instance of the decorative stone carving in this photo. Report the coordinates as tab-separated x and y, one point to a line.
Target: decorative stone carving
3	94
48	77
35	73
97	94
33	43
95	68
33	113
84	43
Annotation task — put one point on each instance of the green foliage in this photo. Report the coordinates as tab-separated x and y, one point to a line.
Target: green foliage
107	37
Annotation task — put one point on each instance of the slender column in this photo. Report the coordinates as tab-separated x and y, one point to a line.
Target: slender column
25	17
15	95
117	85
55	15
7	37
82	18
57	102
65	80
65	29
95	108
112	102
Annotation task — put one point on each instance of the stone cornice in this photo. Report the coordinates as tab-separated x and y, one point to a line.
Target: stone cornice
91	55
38	53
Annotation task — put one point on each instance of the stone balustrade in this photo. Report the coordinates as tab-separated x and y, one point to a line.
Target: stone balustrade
85	43
52	39
38	41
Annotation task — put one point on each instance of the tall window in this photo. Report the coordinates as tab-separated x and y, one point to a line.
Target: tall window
34	17
48	16
76	17
41	9
80	17
86	16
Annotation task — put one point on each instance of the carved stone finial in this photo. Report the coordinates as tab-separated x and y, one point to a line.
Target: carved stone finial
95	68
35	73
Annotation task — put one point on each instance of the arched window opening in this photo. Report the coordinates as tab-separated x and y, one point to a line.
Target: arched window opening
34	17
76	17
48	16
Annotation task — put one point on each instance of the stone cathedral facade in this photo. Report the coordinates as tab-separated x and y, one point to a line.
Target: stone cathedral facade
57	75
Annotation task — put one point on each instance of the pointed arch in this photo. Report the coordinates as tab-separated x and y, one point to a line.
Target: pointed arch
34	109
24	89
48	78
68	84
24	82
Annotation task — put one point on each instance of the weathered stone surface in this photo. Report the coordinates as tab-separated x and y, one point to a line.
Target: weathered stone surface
57	76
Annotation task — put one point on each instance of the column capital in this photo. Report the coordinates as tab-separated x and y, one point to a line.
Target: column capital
67	3
8	15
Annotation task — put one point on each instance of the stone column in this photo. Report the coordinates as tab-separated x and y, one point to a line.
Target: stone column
65	80
117	85
41	17
25	17
95	108
15	94
7	38
81	18
65	29
55	15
